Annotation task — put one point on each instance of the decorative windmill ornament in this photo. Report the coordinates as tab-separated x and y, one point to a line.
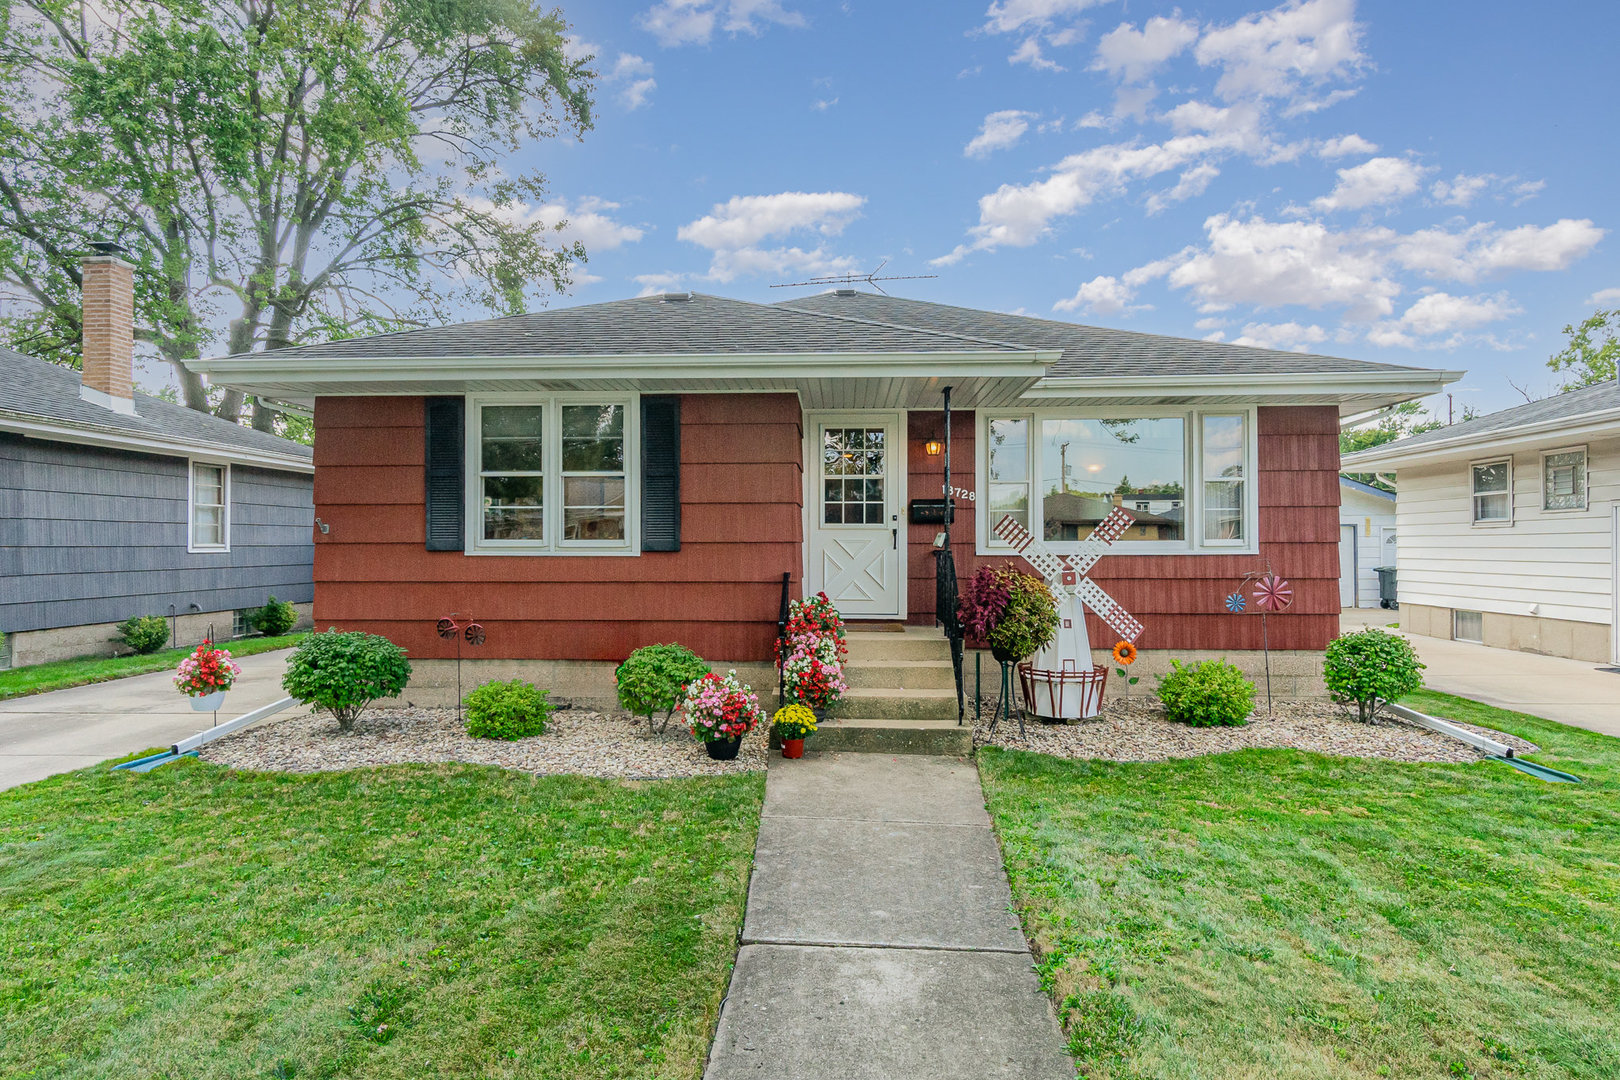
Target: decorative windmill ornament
1065	663
467	630
1271	595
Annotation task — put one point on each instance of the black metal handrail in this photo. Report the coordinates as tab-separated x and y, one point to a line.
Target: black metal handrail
781	636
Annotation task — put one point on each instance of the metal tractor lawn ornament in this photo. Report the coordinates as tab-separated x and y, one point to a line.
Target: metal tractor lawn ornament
1269	594
1061	682
467	630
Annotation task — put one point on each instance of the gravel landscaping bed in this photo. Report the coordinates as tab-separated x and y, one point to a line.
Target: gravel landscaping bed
576	741
1137	730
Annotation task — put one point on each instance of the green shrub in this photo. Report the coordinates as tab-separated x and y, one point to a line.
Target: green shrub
651	680
1371	668
507	710
145	633
274	619
1209	693
344	672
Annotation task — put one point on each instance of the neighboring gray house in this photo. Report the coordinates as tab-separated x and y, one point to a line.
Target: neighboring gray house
114	503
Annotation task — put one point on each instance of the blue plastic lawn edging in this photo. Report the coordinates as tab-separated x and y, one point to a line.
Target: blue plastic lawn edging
1541	772
152	761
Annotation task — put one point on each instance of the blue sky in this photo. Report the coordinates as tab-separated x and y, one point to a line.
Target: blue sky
1418	183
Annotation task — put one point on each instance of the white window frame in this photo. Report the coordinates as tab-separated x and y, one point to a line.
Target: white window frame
1473	506
1586	494
192	545
986	543
552	510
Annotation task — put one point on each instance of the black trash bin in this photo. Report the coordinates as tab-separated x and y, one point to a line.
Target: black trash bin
1386	587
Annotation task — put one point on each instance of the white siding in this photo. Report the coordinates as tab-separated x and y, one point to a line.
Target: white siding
1371	516
1551	564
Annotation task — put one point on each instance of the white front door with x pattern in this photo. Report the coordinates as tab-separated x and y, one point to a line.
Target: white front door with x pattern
855	556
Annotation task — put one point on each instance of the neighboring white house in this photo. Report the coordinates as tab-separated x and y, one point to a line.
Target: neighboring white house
1510	526
1366	540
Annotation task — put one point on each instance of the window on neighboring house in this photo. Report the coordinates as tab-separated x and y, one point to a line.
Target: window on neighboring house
1467	626
1183	478
210	524
241	627
552	474
1563	479
1493	492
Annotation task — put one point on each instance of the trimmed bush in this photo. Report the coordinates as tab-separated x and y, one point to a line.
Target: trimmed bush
274	619
1370	668
145	633
654	679
1210	693
345	672
507	710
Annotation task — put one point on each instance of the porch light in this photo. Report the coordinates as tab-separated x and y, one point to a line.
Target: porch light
933	447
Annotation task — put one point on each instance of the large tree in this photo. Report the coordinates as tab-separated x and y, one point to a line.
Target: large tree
1407	418
280	171
1593	349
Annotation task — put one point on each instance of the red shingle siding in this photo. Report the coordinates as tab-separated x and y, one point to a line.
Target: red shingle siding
741	527
1180	598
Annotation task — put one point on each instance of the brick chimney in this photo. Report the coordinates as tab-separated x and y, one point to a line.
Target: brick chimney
109	329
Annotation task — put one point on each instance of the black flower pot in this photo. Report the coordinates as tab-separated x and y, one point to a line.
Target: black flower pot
724	749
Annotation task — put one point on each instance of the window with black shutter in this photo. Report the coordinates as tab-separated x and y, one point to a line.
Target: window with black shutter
446	476
660	474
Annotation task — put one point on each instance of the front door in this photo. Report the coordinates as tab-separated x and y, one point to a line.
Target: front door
857	464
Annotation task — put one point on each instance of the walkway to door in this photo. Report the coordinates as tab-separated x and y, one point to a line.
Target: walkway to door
879	940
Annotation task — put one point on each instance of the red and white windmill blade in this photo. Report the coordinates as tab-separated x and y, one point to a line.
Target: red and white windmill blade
1067	573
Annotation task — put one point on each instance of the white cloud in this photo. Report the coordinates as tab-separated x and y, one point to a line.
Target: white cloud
1102	295
694	22
1000	131
1017	16
1289	335
1131	55
632	75
653	284
1194	182
823	104
1441	313
588	220
1604	296
1275	54
1346	146
1461	189
1029	52
1379	180
1528	190
734	231
1538	247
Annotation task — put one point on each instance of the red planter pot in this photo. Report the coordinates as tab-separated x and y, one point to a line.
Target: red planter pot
793	748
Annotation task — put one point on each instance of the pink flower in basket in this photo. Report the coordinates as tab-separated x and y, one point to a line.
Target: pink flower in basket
206	671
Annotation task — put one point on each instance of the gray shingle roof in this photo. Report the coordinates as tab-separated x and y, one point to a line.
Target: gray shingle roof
1087	350
37	389
1568	406
700	325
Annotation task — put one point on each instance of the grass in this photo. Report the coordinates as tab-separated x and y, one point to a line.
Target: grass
61	674
1276	914
401	922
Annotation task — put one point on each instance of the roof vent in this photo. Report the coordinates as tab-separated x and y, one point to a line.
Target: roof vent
846	292
676	297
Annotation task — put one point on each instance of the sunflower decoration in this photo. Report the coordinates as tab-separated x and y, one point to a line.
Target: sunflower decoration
1125	654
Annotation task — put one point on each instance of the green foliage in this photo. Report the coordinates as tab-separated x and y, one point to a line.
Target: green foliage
145	633
370	143
652	679
1407	418
1593	349
1029	622
1209	693
344	672
1371	667
507	710
275	618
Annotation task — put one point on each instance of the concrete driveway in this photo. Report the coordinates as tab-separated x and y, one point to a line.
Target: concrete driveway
68	729
1569	691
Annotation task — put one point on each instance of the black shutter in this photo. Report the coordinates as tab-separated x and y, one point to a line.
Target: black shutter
445	476
660	474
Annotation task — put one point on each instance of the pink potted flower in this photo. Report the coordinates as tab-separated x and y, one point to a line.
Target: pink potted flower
205	675
719	710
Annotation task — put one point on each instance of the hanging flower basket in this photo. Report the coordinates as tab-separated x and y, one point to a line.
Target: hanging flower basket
205	675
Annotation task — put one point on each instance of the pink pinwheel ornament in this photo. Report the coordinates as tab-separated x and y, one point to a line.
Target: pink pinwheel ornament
1272	593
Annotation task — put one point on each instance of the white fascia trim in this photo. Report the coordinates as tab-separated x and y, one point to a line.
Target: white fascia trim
152	444
1291	384
1570	430
309	373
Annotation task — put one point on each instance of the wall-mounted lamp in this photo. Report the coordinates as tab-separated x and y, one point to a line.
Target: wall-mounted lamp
933	447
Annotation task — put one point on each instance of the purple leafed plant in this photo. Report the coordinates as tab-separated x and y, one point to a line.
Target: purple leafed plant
983	602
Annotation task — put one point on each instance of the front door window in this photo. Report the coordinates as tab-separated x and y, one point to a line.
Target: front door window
853	471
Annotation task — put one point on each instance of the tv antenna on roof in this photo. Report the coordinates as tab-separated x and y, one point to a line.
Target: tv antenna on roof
871	279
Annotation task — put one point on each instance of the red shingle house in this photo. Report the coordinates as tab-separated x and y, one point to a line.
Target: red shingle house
587	480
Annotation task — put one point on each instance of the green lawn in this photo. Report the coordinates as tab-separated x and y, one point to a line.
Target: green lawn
412	921
1270	914
61	674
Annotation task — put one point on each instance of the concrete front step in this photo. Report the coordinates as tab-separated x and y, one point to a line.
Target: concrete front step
913	643
869	735
888	703
901	675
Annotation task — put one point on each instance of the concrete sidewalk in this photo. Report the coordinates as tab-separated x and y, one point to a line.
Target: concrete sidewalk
1569	691
880	941
68	729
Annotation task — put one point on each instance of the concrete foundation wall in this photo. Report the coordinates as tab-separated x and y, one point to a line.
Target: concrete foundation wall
101	639
1295	674
1523	633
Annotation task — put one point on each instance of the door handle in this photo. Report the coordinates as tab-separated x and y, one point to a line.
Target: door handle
894	534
